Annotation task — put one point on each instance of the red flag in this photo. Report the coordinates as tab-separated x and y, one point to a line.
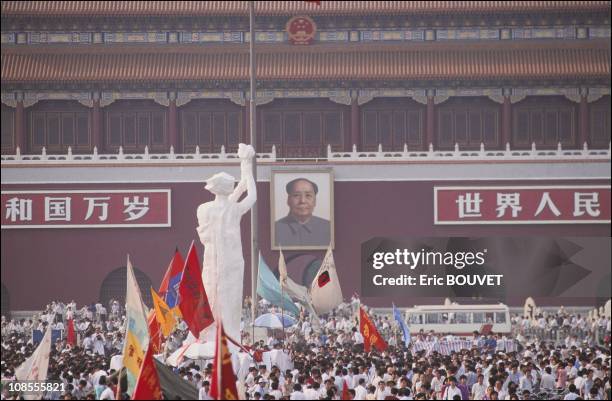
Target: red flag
175	267
71	335
155	334
193	300
371	337
223	386
148	386
345	391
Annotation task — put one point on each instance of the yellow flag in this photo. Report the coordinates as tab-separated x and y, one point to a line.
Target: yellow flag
164	315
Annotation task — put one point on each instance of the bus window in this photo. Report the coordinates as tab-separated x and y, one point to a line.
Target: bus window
479	317
489	317
414	318
432	318
462	318
500	317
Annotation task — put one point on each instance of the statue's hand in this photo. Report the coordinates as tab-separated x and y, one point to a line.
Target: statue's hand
245	152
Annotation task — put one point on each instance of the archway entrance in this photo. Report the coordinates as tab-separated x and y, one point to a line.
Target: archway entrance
115	282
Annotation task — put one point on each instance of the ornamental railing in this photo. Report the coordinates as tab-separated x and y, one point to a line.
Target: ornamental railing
482	154
137	158
406	155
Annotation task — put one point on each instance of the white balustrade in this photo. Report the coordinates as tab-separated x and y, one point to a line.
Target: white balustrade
406	155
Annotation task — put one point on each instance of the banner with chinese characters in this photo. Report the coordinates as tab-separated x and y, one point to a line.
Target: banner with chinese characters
562	204
86	208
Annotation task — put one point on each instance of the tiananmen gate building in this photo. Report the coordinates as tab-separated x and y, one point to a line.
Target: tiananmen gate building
114	114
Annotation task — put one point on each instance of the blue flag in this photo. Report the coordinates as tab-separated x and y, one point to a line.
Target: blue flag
268	287
171	297
402	323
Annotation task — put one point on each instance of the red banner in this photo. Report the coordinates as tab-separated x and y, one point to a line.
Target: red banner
563	204
371	336
223	386
86	208
148	386
71	336
193	300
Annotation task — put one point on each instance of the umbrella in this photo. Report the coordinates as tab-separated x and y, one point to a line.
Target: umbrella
195	351
274	321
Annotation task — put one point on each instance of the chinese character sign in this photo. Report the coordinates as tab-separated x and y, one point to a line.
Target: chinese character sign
563	204
86	208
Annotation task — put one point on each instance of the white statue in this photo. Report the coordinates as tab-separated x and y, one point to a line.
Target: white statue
219	231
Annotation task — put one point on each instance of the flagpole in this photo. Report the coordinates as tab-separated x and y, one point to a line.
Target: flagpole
283	309
253	138
281	280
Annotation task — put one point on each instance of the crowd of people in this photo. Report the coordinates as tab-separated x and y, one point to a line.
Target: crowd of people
329	363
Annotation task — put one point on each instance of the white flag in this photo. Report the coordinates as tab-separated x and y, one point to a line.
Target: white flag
297	292
282	269
325	288
35	367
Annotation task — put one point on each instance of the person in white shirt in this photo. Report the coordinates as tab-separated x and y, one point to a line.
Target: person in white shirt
274	390
358	374
360	391
479	388
573	393
382	391
452	390
548	380
526	381
297	393
95	378
259	387
98	342
311	393
437	383
103	392
204	393
499	389
107	394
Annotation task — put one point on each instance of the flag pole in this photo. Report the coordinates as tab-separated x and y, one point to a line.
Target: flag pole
281	280
283	309
253	138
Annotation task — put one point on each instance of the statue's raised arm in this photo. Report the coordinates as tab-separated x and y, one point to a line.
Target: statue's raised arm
246	153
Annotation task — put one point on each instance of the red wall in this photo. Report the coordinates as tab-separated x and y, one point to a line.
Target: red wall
40	265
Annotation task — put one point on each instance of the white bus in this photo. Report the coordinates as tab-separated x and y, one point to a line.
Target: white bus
461	320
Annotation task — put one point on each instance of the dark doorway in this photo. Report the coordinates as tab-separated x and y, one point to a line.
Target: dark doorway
114	286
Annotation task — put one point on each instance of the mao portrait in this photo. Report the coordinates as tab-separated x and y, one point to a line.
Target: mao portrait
302	209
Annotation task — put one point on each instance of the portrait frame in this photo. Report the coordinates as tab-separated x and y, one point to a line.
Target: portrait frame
324	209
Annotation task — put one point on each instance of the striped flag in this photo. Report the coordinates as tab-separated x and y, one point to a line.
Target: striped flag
170	283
